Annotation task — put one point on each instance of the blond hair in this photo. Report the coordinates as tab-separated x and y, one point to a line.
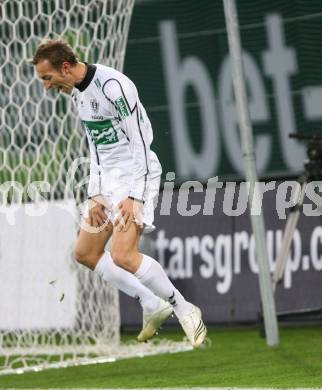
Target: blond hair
56	51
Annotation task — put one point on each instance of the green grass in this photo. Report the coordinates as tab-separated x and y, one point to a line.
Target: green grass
236	358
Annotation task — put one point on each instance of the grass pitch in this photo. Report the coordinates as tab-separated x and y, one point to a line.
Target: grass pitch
235	358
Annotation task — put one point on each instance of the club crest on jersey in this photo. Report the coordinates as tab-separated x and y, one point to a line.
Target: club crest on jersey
94	105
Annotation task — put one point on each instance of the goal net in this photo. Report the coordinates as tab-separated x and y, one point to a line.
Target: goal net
53	312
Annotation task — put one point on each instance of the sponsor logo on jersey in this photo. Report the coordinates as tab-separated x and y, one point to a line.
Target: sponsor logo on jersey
94	105
121	107
101	132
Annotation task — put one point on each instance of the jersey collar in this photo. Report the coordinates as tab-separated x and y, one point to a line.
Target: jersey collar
90	72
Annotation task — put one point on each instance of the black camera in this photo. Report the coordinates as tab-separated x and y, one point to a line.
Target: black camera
313	164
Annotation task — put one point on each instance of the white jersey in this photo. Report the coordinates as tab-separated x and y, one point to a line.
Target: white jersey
118	129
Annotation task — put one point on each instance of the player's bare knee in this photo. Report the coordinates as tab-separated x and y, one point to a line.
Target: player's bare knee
122	259
87	258
79	255
118	256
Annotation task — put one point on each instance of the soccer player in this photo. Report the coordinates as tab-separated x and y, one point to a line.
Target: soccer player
124	181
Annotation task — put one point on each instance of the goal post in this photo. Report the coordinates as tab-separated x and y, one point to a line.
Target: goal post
257	221
53	311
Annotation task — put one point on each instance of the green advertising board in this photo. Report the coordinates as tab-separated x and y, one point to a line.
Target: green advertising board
178	56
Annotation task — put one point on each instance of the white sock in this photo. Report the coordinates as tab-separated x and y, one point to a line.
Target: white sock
126	282
152	275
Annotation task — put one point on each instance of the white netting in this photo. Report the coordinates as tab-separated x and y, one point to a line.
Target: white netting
39	133
40	138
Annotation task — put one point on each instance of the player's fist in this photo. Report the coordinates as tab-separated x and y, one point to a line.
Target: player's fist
130	211
96	211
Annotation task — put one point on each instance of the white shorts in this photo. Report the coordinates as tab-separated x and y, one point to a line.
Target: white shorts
114	191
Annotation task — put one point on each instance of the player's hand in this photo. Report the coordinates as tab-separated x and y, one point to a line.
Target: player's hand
130	211
96	212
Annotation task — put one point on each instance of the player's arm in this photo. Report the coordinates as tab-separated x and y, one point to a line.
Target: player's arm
96	208
124	103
